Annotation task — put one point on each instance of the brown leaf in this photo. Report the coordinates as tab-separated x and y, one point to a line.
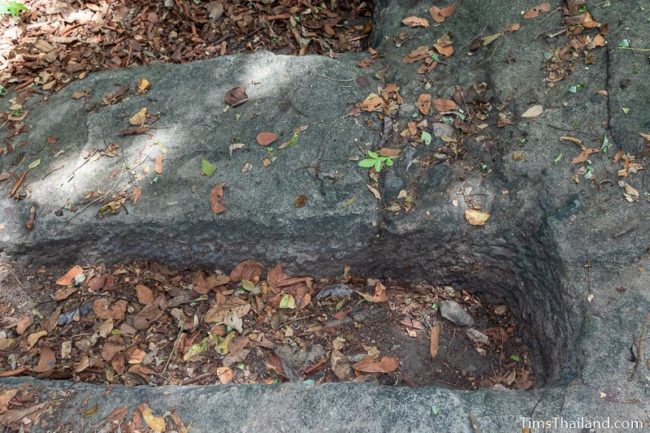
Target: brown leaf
82	364
199	284
225	375
373	102
15	372
533	111
63	294
266	138
110	350
138	118
380	293
150	313
50	323
645	136
156	423
424	103
512	28
444	105
24	323
476	217
67	279
216	195
584	155
158	164
390	152
46	360
439	15
384	365
533	12
444	45
235	96
136	194
415	22
247	270
135	355
24	416
143	85
5	398
144	294
434	340
420	53
116	311
33	338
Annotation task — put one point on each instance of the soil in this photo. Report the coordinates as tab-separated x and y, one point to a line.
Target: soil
93	329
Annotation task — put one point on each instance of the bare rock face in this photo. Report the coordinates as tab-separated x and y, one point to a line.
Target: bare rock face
453	312
555	248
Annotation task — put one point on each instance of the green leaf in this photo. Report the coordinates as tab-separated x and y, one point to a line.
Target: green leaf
12	8
389	162
625	110
434	410
426	137
515	358
558	158
250	287
223	346
372	154
366	163
287	301
34	164
624	43
207	168
435	57
378	165
196	349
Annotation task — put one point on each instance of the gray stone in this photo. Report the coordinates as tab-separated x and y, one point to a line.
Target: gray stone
336	291
477	336
554	263
453	312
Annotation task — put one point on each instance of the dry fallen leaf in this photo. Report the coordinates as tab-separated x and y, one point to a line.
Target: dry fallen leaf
235	96
533	112
67	279
136	194
64	293
444	45
439	15
46	360
247	270
373	102
143	85
512	28
144	294
424	103
199	283
645	136
584	155
24	323
374	192
139	118
533	12
216	196
476	217
415	22
158	164
266	138
384	365
5	398
156	423
444	105
225	375
434	340
33	338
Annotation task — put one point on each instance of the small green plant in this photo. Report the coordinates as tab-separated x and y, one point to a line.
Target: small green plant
12	8
376	161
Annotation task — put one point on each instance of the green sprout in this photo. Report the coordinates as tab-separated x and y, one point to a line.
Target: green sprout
376	161
12	8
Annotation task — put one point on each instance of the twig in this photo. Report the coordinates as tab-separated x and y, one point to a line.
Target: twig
171	354
335	79
100	198
641	50
639	347
198	378
551	13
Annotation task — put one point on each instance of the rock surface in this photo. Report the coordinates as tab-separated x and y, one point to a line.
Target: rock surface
453	312
554	249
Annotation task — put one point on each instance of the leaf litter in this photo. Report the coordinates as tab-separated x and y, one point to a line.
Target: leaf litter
144	323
